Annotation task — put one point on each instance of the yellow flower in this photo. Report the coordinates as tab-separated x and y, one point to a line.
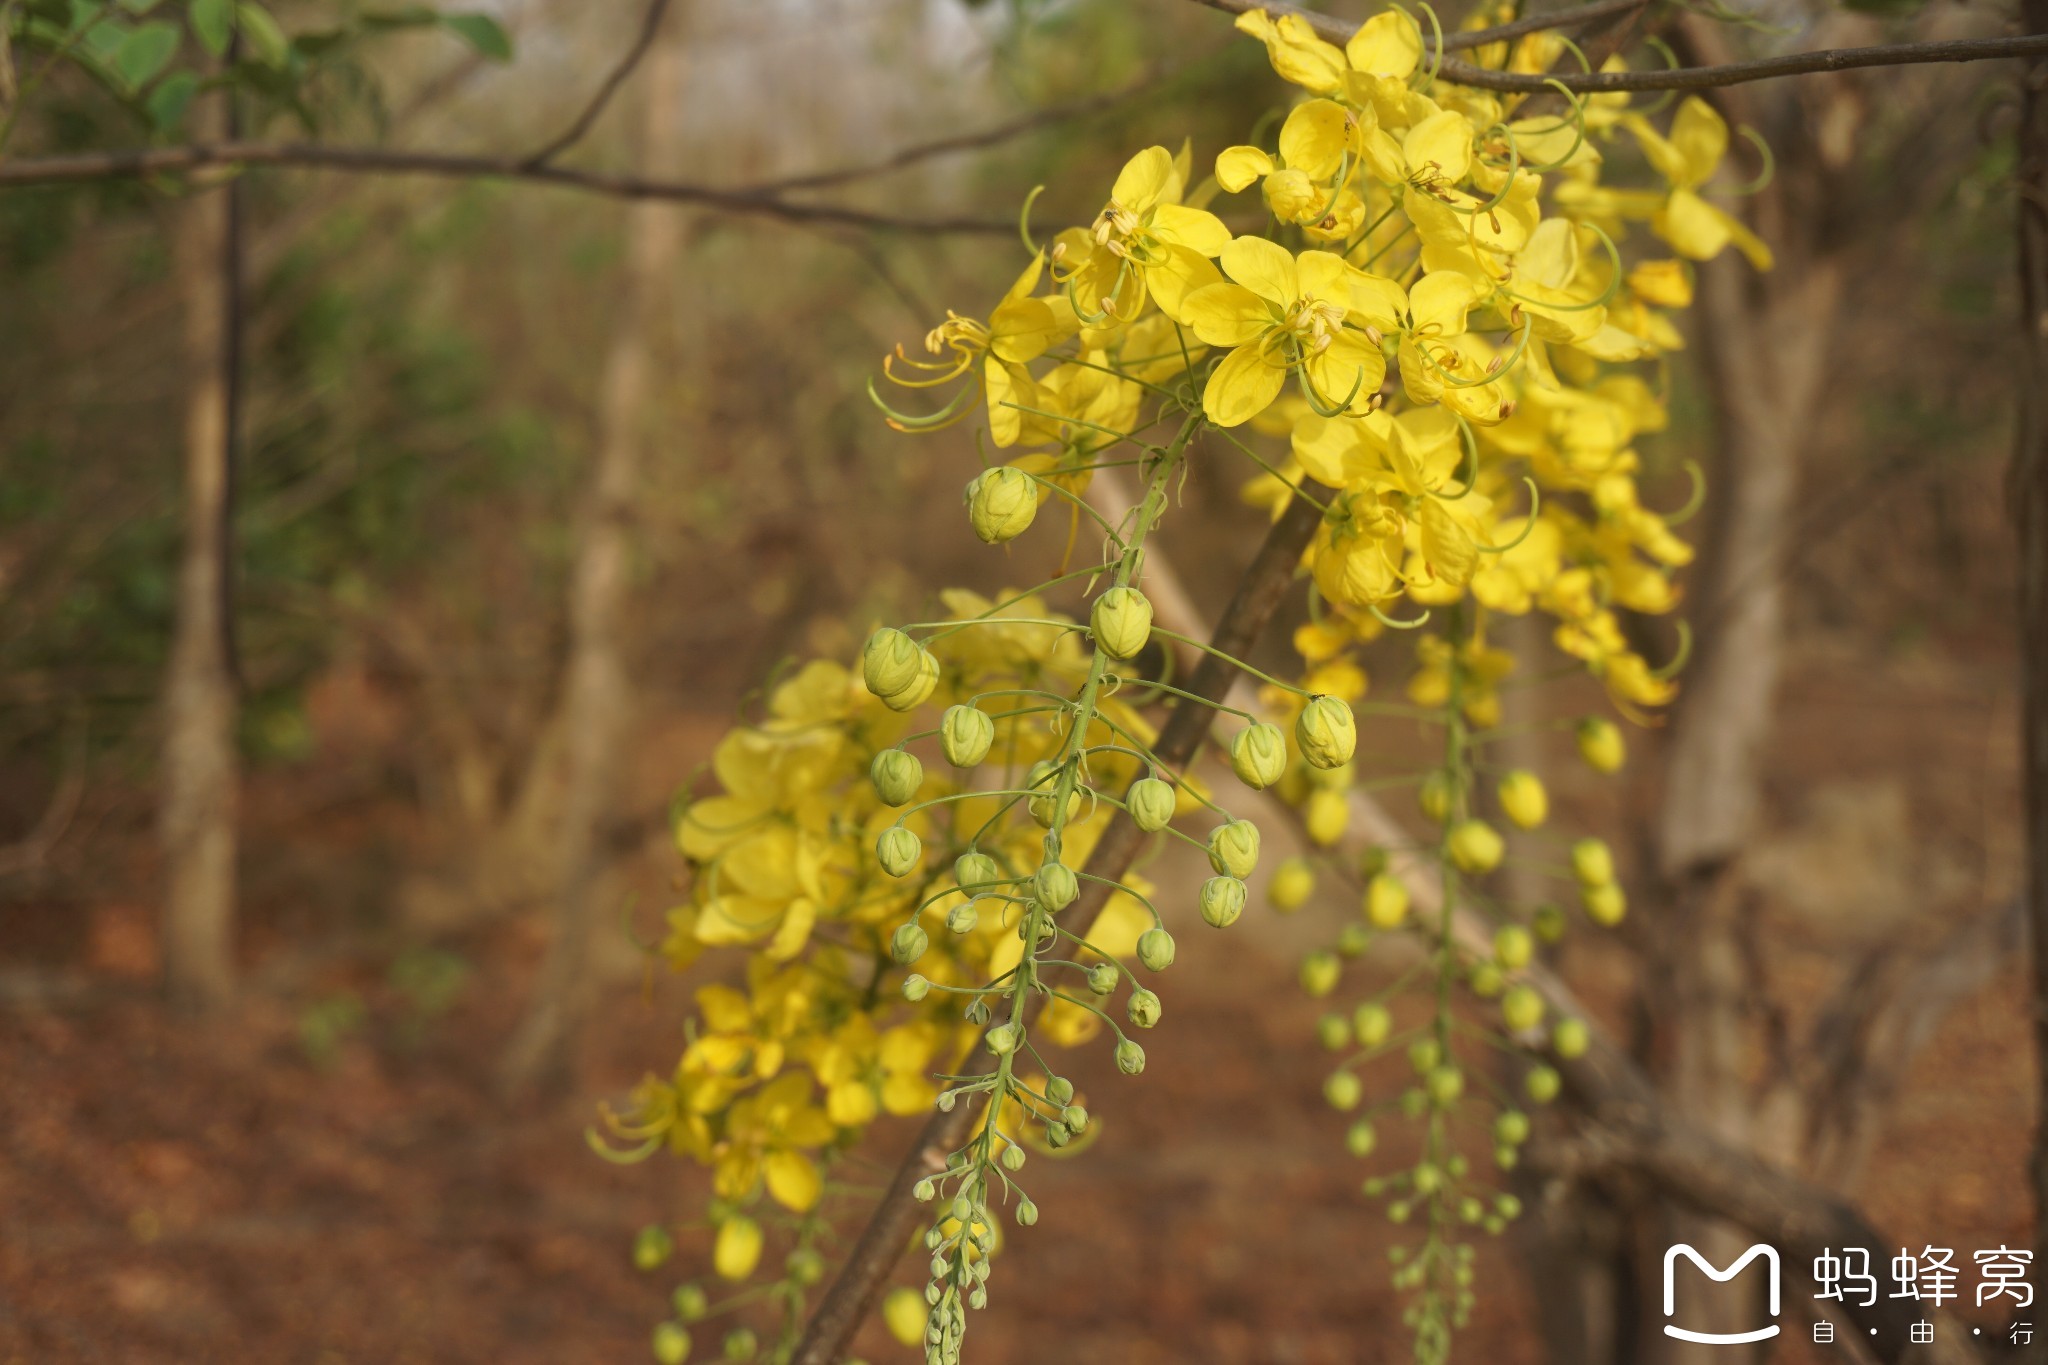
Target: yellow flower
1688	159
1144	242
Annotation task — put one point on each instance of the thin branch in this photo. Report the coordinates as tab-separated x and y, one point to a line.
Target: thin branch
852	1296
1340	30
1685	77
650	25
383	161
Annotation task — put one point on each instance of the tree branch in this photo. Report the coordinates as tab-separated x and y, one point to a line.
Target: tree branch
53	170
1684	78
852	1296
650	25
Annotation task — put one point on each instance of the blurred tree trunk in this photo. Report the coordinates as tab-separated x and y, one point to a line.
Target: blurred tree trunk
197	816
591	719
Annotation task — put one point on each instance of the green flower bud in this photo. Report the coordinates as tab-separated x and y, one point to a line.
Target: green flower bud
964	917
1571	1038
897	775
1487	981
1513	946
1155	949
1059	1090
1075	1117
1543	1084
1523	799
1592	862
898	850
1013	1158
652	1247
1056	1134
1507	1206
1333	1031
1353	940
924	1191
1002	1040
909	943
805	1266
1428	1178
1372	1022
1122	621
1044	779
1438	796
1222	901
690	1302
1445	1084
912	697
1027	1213
1056	886
1001	503
1600	744
1398	1211
671	1343
741	1344
1143	1008
1414	1103
1511	1129
1386	901
1151	803
1102	978
1548	922
965	734
1360	1138
890	662
1521	1009
1475	846
1424	1054
1326	733
1293	882
1130	1058
976	871
1605	904
1258	755
1343	1090
1234	849
1319	973
915	988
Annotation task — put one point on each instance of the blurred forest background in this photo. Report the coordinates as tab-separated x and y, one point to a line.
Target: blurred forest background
436	377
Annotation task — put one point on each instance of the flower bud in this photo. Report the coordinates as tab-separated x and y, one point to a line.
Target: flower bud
738	1248
1151	804
898	850
924	1191
1360	1138
1293	882
1326	732
690	1302
1353	940
671	1343
1386	901
976	871
1056	886
652	1247
1319	973
740	1345
912	697
1513	946
1013	1158
1258	755
1592	862
1102	978
1521	1009
909	943
965	734
1548	922
890	662
1327	815
1234	848
1059	1090
1027	1213
1570	1038
1130	1058
1343	1090
1292	196
964	917
1523	799
1002	1039
1475	846
1143	1008
1044	779
1605	905
1511	1129
1001	503
1445	1084
1222	901
1155	949
1122	621
1543	1084
1601	745
805	1266
1075	1117
904	1313
1333	1031
1372	1022
897	775
1438	796
915	988
1487	981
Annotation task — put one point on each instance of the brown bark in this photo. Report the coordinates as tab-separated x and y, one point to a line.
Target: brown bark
597	692
198	810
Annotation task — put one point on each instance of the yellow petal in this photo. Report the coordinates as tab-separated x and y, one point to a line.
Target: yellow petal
793	1181
906	1093
1440	145
1024	329
1242	387
1388	45
1314	138
1172	280
1225	314
1446	545
1266	268
1438	302
1142	181
738	1249
1700	136
1351	368
1695	228
1237	167
851	1104
1201	232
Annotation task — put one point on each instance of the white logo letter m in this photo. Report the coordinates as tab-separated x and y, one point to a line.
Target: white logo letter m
1769	1253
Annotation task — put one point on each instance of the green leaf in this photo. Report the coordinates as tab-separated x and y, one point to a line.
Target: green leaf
144	52
168	102
105	39
481	32
213	23
266	40
139	6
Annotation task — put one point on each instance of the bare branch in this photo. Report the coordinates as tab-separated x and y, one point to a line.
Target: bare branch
650	25
1340	30
54	170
